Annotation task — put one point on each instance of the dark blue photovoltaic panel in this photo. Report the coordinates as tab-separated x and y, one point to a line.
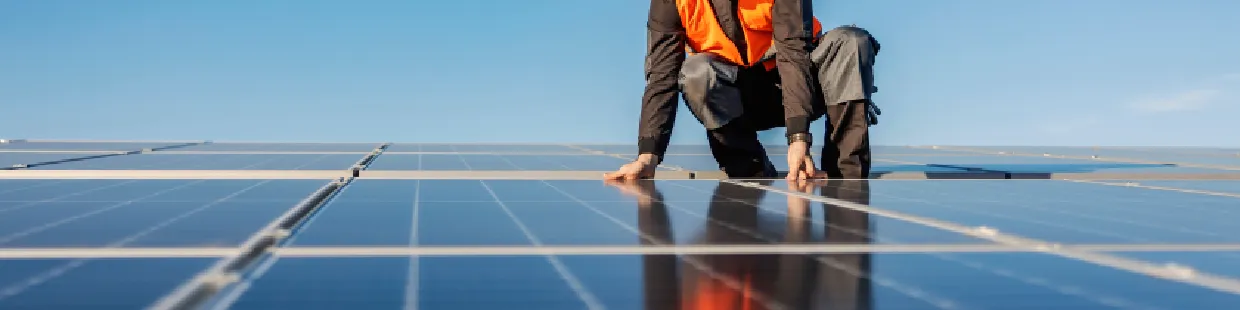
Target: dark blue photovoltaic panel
1217	186
463	212
10	159
97	284
1065	212
1186	155
86	146
496	162
281	147
483	148
1222	263
143	213
1028	164
214	162
782	150
836	281
707	163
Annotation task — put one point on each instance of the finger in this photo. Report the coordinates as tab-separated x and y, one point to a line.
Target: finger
794	167
810	170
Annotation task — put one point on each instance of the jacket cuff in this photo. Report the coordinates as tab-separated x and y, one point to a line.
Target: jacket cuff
797	124
654	146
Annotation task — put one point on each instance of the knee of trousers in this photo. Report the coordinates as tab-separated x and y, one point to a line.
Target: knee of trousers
709	90
844	38
852	35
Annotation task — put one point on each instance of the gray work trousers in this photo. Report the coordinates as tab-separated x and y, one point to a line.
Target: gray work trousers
735	103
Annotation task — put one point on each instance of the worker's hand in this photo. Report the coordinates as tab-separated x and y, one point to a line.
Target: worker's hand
800	163
642	168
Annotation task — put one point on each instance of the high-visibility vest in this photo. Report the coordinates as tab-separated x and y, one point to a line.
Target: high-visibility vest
705	35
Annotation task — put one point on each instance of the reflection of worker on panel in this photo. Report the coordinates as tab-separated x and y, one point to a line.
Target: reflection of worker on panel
744	66
757	281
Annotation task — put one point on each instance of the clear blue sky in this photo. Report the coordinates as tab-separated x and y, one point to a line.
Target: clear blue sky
1047	72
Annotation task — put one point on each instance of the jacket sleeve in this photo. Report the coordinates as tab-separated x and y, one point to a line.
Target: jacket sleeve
664	54
793	22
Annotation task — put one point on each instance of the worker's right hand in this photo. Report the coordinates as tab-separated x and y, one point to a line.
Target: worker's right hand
800	163
642	168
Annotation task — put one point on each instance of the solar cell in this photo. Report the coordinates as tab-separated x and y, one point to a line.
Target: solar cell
788	281
128	283
1065	212
281	147
139	213
495	162
213	162
531	212
87	146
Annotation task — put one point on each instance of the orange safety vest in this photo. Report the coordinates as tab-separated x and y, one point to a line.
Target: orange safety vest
705	35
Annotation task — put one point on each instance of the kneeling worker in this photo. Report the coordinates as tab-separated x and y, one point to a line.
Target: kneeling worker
745	66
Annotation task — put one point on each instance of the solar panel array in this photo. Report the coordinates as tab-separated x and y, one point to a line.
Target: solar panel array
201	225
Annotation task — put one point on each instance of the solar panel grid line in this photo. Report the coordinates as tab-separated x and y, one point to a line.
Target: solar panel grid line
258	152
48	275
1058	225
889	283
60	197
1156	224
241	278
1175	274
128	252
731	282
210	281
105	141
1163	188
14	236
173	174
413	279
586	296
504	175
629	158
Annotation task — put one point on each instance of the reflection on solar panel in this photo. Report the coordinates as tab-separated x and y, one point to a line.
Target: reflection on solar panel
189	225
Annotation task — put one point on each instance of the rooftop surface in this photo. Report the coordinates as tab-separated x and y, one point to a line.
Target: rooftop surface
200	225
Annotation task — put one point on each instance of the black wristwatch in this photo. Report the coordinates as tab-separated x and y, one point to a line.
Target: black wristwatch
801	137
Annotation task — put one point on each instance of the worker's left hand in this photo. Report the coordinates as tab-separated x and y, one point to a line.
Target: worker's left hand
800	162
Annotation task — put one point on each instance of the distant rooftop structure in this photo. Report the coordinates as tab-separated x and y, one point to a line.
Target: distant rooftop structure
230	225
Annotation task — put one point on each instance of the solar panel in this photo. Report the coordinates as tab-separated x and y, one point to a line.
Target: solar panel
558	213
707	162
790	281
496	162
89	146
141	213
25	159
483	148
114	283
1213	186
279	147
403	226
1038	164
213	162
